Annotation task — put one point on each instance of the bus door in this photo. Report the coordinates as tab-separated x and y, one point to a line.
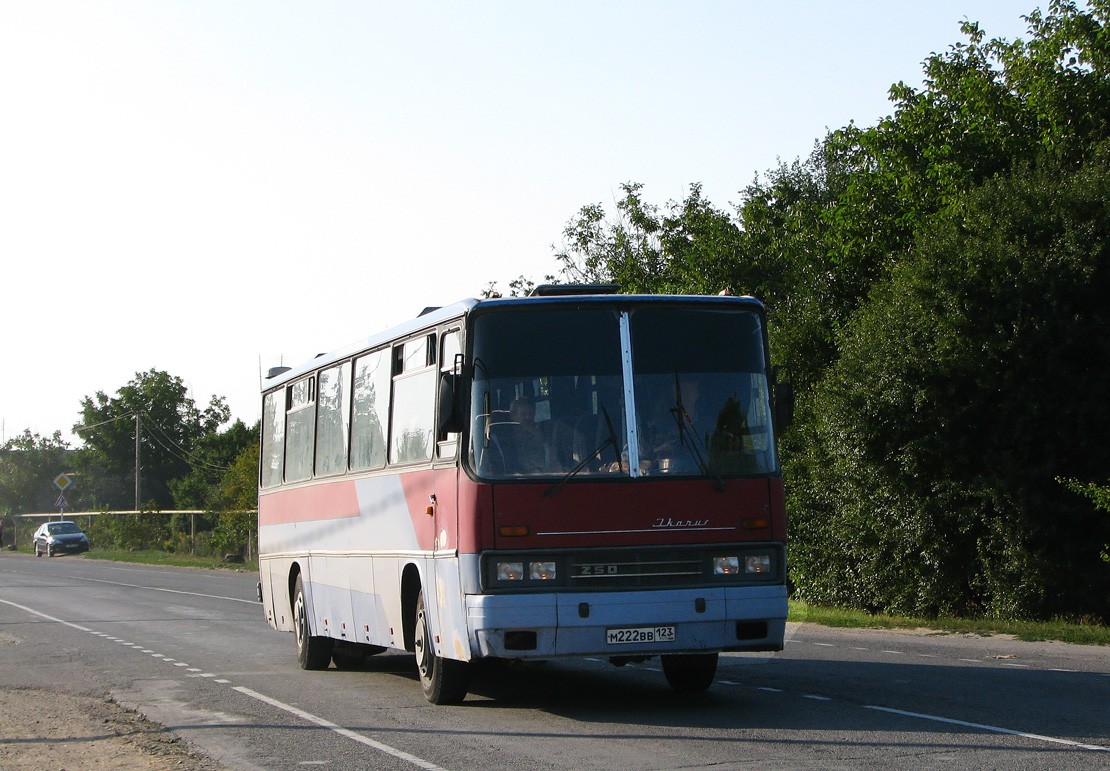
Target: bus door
453	641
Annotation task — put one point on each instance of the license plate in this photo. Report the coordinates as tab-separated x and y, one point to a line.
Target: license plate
639	634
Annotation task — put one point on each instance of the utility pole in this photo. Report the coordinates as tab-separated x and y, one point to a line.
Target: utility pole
138	462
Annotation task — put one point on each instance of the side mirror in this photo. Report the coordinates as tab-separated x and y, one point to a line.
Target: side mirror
449	417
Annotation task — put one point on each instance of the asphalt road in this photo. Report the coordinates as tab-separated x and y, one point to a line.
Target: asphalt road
190	649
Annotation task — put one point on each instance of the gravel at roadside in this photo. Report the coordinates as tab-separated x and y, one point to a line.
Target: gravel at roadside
42	729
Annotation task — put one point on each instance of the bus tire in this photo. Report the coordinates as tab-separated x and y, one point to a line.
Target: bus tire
444	681
690	672
312	652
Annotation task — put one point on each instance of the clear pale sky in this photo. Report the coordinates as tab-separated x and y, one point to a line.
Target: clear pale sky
209	188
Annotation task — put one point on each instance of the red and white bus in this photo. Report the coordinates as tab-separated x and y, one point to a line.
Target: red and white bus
575	473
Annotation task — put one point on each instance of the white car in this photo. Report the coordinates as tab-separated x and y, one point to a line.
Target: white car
60	538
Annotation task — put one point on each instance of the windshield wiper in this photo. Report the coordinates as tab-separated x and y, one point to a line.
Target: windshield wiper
609	440
687	437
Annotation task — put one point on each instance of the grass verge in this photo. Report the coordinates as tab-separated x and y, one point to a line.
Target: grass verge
1030	631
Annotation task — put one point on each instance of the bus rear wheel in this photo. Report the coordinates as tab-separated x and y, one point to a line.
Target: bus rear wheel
690	672
444	681
312	652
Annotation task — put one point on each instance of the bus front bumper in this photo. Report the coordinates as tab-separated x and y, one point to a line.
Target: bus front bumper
545	626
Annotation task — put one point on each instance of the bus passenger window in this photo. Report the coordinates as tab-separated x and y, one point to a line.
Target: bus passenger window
370	412
273	437
413	409
300	423
332	426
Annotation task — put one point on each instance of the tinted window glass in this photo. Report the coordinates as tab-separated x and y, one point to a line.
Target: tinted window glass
547	390
413	414
332	422
702	405
273	437
300	423
371	410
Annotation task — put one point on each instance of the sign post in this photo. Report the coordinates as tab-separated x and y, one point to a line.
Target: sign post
62	482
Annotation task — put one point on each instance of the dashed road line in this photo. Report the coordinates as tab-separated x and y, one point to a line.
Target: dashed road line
991	728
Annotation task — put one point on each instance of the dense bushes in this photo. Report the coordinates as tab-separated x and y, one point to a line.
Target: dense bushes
969	380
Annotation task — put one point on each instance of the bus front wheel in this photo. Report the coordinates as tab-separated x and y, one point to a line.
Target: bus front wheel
444	681
690	672
312	652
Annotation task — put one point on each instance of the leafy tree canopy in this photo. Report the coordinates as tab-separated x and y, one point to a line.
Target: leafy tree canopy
29	464
171	430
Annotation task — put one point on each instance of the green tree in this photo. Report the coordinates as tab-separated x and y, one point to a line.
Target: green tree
967	383
236	502
210	460
690	247
1097	494
29	463
171	428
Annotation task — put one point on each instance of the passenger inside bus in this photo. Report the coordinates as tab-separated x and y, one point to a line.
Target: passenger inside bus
531	450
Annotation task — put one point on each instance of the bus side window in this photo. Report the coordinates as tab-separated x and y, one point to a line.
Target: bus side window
332	419
273	438
451	346
300	429
413	408
370	410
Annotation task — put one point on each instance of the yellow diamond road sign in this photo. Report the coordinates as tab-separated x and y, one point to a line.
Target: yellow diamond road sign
62	482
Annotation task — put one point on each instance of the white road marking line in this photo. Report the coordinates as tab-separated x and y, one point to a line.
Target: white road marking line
1017	666
399	754
973	661
815	698
824	645
222	681
1063	670
896	653
992	728
770	690
34	612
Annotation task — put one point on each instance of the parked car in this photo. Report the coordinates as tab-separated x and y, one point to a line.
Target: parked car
60	538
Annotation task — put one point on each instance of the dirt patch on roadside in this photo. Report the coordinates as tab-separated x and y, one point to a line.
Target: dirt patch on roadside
48	730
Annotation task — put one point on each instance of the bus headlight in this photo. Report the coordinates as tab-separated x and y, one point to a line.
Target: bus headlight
726	566
757	563
541	571
510	571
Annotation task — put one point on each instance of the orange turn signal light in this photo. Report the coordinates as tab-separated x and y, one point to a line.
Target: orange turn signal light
756	524
513	531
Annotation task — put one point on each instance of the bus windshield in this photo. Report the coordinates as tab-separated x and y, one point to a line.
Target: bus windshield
559	390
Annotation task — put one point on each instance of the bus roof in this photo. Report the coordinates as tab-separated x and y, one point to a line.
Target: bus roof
432	317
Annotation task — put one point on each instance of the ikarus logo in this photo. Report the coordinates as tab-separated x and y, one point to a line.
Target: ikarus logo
667	522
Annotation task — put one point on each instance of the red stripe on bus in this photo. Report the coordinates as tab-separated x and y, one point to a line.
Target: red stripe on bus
305	504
